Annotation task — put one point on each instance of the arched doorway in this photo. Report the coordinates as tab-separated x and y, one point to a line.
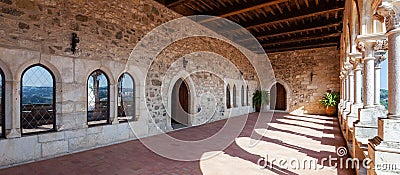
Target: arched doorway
278	97
180	105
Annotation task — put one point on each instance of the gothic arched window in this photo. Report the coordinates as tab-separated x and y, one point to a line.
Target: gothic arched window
126	98
98	98
38	112
228	97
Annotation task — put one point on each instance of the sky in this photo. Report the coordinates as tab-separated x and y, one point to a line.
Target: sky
384	75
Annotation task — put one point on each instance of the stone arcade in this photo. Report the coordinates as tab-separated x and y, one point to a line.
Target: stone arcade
77	75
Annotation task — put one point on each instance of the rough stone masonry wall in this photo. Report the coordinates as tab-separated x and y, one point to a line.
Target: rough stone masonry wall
294	68
38	31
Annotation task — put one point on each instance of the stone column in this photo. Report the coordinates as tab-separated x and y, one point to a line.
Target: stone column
351	86
385	148
357	82
366	127
394	73
366	48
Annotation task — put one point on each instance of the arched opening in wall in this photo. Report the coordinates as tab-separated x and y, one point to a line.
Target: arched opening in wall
180	104
234	96
242	95
2	106
247	96
384	92
126	98
228	97
98	99
278	97
37	100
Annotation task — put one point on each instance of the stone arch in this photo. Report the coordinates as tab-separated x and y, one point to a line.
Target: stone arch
288	91
53	69
185	76
8	76
179	50
109	74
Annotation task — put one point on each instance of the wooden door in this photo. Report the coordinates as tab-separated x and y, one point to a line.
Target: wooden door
278	97
184	97
180	105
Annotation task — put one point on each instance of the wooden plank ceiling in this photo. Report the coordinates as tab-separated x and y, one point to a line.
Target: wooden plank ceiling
278	25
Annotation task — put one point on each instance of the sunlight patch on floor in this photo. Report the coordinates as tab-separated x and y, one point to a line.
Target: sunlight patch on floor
225	164
297	140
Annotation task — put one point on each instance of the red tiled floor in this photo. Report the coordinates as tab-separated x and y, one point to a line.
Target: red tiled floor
288	136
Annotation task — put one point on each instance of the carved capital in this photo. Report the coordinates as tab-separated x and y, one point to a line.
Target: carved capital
357	63
379	58
348	66
361	47
381	45
390	13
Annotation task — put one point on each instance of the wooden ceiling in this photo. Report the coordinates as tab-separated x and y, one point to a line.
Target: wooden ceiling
278	25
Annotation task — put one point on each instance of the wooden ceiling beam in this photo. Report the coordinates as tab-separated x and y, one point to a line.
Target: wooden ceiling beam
300	14
172	4
293	29
243	8
330	44
300	39
302	30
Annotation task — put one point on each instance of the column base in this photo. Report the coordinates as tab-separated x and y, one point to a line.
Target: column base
389	129
371	114
346	111
363	131
384	157
13	133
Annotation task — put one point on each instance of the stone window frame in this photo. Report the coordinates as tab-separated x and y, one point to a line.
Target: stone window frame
2	112
108	99
54	106
134	96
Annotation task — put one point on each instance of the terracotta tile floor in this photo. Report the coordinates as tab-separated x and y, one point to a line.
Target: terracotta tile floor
287	137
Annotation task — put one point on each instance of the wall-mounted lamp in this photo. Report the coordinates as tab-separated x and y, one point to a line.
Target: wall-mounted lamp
74	42
311	75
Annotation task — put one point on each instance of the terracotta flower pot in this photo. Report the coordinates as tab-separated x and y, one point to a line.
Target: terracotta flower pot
258	108
330	110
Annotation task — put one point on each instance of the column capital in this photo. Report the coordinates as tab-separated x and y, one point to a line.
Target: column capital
357	63
347	67
379	58
389	12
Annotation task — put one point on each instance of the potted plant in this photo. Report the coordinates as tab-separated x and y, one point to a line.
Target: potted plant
260	98
330	102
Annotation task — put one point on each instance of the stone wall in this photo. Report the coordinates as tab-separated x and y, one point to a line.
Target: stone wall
294	70
39	32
